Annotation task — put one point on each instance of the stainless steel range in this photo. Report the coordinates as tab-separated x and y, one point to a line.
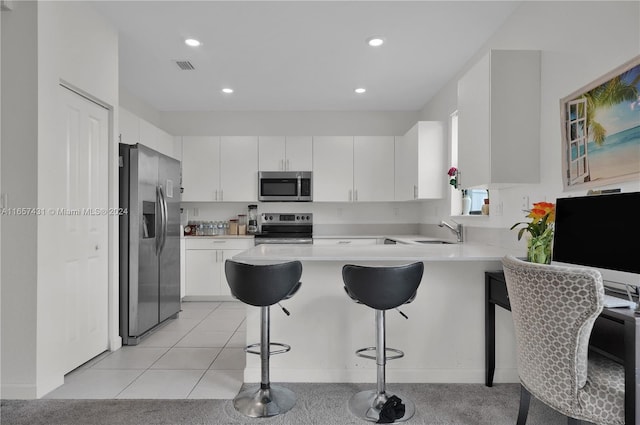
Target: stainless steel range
285	228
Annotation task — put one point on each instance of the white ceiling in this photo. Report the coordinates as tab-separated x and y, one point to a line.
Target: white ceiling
297	55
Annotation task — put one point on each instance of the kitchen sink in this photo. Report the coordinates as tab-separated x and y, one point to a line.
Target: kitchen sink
432	241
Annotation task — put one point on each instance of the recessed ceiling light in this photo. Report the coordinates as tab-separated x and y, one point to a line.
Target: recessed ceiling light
227	90
192	42
360	90
375	41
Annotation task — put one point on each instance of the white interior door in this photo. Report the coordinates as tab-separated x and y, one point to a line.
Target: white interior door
84	228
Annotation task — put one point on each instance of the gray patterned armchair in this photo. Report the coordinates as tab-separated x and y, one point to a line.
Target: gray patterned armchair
553	310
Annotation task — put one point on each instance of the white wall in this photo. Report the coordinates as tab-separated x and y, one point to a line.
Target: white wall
90	63
288	123
45	43
19	183
580	42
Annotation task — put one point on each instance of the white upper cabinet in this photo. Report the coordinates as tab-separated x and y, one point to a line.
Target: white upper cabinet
353	169
499	120
373	168
200	168
280	153
420	162
239	168
333	168
220	168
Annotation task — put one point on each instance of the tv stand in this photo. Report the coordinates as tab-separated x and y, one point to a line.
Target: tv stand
615	334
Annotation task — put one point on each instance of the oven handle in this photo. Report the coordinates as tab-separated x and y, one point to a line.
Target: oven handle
273	241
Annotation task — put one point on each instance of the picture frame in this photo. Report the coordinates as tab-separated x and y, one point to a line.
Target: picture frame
600	127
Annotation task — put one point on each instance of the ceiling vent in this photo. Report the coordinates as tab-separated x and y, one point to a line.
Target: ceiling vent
185	65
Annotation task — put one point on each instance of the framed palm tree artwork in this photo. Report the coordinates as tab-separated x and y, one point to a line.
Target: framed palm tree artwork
601	130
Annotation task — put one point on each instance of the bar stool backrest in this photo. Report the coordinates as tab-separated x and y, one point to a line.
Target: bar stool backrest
263	285
383	288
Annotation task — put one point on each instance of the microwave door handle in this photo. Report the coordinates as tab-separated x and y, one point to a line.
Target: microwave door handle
299	192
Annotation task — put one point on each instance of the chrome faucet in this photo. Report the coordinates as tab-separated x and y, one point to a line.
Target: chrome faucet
457	230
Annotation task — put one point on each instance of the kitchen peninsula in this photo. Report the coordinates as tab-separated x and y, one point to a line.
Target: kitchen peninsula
443	338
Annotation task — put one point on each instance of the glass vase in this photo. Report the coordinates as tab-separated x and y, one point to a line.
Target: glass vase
539	248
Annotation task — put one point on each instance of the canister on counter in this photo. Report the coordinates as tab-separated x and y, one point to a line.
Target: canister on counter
242	224
233	226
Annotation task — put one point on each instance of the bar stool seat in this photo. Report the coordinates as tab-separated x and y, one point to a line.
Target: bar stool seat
263	286
381	288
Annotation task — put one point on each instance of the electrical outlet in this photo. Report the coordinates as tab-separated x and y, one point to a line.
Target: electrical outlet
196	212
524	204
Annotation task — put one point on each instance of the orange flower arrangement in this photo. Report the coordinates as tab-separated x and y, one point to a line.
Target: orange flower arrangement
543	214
540	228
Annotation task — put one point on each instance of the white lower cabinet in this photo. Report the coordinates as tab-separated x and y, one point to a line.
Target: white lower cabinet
204	267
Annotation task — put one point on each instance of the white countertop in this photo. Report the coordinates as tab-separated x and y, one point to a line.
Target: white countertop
400	252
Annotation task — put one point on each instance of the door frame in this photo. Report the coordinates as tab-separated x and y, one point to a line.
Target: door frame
114	339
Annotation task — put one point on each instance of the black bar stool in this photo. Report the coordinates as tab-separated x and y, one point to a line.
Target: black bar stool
262	286
381	288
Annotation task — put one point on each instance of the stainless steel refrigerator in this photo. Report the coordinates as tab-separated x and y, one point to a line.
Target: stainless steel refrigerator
149	240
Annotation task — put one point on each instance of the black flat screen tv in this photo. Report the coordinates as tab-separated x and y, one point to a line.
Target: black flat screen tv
602	232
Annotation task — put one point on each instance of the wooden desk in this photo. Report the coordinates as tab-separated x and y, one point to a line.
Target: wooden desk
615	334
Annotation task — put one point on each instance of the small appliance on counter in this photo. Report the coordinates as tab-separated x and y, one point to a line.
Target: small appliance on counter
252	227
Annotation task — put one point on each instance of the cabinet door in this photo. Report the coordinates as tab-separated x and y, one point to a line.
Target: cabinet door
299	153
239	168
202	272
200	168
333	168
226	255
373	168
430	160
474	99
406	166
129	127
271	151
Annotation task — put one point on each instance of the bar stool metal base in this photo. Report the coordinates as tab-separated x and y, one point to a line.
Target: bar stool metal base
367	405
264	402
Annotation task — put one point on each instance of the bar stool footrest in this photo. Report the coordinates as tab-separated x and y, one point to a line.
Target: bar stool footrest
398	354
286	348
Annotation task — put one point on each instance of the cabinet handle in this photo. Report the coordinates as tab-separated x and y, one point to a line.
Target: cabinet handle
282	165
350	194
343	242
215	195
415	192
355	194
221	195
287	166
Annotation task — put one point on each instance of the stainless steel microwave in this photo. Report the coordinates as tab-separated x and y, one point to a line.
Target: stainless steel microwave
285	186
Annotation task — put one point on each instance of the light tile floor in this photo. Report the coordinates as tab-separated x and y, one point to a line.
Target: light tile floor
198	355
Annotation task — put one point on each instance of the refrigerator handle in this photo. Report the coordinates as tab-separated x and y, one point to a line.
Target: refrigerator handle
160	216
165	213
